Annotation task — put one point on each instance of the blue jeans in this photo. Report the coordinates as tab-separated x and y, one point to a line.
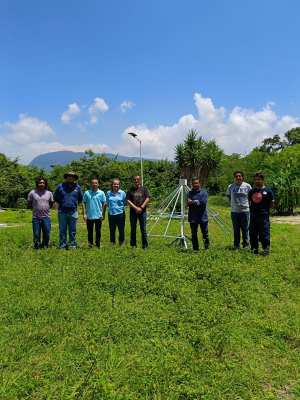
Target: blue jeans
133	222
204	231
114	222
65	221
240	223
41	225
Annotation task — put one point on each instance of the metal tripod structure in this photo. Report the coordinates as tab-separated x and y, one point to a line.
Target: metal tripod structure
169	210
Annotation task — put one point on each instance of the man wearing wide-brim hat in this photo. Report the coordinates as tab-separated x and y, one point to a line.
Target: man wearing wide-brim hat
68	194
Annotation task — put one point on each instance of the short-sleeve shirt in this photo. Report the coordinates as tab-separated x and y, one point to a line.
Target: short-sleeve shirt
260	200
94	202
137	196
116	202
40	203
238	197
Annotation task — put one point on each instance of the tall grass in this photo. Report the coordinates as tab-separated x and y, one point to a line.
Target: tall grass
165	323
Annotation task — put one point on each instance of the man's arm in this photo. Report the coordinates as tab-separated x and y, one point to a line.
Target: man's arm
144	205
135	208
29	204
203	200
51	200
272	200
228	195
189	201
103	211
84	211
80	195
56	194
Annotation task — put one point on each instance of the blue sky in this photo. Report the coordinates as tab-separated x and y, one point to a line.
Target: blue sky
229	69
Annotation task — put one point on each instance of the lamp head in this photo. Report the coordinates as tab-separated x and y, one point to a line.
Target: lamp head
132	134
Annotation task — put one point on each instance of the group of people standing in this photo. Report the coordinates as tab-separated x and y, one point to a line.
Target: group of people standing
257	201
94	205
244	200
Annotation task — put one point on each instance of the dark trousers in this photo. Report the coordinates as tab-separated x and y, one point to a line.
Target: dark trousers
240	223
115	221
133	222
41	225
259	230
204	231
90	228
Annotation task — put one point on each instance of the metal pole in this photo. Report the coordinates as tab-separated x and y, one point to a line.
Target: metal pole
182	212
141	162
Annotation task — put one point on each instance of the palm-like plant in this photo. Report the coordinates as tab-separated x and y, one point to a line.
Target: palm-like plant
197	157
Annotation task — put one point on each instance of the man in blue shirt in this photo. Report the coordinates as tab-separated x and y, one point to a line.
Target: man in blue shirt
262	200
197	200
93	201
68	194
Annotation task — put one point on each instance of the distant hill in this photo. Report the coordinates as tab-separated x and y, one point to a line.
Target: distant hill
65	157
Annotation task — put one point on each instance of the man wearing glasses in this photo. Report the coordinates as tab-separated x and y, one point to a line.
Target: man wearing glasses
138	197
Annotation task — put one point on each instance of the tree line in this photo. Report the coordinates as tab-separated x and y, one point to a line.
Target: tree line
278	159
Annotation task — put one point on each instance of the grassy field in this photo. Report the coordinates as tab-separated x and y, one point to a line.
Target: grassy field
166	323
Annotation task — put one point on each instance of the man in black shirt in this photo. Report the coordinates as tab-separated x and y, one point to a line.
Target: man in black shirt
138	197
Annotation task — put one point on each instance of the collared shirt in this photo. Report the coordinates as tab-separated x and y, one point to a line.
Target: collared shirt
94	202
68	198
197	211
116	202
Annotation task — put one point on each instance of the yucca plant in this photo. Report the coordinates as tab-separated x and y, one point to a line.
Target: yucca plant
197	157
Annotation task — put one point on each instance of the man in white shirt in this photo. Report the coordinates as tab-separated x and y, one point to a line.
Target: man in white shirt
237	197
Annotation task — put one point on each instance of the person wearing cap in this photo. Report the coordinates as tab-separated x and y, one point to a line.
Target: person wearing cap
68	194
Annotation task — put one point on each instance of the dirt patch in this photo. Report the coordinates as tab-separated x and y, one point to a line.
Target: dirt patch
290	219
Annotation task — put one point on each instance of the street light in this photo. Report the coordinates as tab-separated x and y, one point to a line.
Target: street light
135	136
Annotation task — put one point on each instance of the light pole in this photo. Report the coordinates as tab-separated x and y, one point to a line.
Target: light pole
135	136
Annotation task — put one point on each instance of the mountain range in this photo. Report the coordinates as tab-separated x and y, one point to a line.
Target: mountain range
65	157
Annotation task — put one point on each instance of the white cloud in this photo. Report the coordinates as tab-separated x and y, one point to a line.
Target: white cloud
95	109
72	112
126	105
93	120
240	132
27	129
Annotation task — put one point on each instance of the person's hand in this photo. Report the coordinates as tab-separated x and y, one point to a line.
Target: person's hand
102	218
85	217
139	210
189	202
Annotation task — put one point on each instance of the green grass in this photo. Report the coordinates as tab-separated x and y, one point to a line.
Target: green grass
166	323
